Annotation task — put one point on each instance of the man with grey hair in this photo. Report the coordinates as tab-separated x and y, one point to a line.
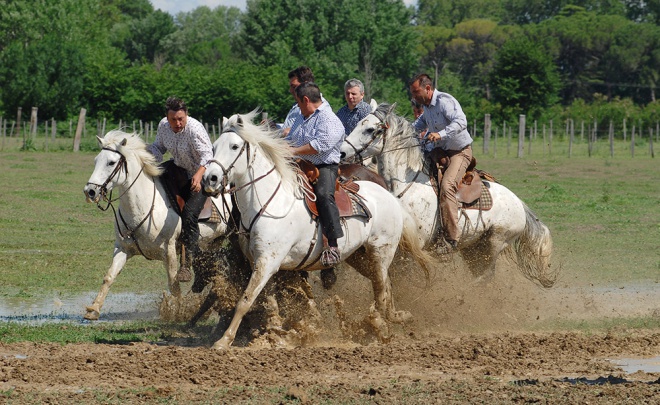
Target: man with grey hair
356	108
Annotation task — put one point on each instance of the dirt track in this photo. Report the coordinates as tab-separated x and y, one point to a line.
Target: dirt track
467	343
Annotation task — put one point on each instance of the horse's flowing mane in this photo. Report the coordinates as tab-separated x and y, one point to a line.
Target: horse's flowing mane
271	143
134	145
401	137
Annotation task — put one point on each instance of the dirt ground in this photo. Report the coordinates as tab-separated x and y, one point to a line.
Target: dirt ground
499	341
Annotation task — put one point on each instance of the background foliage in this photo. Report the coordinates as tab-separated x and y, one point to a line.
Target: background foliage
120	59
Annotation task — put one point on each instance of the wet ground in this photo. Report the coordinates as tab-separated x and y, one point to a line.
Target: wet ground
504	341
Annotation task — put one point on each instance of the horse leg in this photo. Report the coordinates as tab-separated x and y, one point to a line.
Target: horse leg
118	261
264	269
481	256
374	265
172	267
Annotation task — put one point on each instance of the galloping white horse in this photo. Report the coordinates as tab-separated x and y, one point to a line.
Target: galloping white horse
277	231
509	226
145	222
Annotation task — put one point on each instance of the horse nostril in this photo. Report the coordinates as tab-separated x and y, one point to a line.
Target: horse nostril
91	193
214	179
342	155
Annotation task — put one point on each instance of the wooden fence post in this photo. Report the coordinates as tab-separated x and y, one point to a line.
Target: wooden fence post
550	137
79	130
53	129
624	130
651	142
632	142
521	134
18	121
486	133
611	135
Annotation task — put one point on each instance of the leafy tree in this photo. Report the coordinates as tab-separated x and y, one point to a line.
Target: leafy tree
334	38
448	13
524	79
203	36
140	38
534	11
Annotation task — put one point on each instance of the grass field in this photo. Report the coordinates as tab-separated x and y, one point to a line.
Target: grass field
603	213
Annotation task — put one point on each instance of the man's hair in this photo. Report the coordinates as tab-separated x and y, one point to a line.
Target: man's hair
302	73
309	90
354	83
423	79
175	104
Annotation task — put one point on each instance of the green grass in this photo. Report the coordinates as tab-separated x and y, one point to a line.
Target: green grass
63	333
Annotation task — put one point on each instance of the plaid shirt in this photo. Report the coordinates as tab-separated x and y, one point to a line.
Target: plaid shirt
323	131
295	114
191	148
445	116
350	118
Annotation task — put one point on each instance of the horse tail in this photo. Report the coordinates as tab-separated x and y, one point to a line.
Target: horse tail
412	244
532	249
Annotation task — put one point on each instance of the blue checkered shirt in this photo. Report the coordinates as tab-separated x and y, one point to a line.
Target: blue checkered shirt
323	131
350	118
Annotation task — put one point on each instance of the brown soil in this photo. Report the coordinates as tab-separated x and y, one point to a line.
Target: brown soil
495	342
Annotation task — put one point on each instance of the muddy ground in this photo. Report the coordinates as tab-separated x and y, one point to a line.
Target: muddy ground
501	341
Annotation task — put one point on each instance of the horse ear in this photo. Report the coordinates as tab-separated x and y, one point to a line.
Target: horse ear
123	142
239	121
100	142
224	121
391	109
373	105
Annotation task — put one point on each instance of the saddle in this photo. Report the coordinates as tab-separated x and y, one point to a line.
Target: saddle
175	180
471	188
347	199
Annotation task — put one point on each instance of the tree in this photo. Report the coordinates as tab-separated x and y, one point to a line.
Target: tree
524	79
448	13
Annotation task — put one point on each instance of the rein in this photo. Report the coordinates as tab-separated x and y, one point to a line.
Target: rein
122	163
233	190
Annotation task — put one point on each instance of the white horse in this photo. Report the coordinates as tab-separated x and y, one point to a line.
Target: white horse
277	231
509	226
145	222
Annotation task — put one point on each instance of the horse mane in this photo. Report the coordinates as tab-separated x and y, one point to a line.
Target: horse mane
402	137
136	146
270	141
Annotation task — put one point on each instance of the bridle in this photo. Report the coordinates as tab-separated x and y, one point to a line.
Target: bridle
122	164
381	129
225	181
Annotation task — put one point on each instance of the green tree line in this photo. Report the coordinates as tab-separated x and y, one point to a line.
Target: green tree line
120	59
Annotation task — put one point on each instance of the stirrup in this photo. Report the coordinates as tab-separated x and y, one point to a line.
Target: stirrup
330	257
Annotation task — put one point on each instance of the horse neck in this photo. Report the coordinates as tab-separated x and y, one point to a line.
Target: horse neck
136	191
393	165
255	190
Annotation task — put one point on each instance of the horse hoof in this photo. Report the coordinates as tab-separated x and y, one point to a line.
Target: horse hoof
92	314
220	345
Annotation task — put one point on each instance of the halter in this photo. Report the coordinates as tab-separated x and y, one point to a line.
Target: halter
233	190
122	163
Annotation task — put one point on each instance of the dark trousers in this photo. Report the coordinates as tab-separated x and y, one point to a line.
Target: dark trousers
325	201
193	207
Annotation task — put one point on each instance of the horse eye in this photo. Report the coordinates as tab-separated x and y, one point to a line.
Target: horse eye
111	163
234	147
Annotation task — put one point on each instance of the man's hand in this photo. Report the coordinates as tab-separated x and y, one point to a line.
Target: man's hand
433	136
196	181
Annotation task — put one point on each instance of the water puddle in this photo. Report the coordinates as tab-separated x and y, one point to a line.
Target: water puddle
118	306
631	366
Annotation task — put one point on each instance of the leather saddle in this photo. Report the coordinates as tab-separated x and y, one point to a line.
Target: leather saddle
175	180
345	203
470	187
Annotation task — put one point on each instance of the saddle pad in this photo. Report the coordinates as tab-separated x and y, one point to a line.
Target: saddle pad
484	203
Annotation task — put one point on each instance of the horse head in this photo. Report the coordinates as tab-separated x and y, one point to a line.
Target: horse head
121	155
368	137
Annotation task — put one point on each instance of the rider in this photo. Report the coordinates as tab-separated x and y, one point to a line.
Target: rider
446	124
190	146
318	138
356	108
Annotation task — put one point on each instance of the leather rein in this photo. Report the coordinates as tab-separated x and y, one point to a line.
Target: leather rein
122	164
225	182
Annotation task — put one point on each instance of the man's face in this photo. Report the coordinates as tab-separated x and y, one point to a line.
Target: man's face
306	107
293	83
353	96
421	94
177	120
